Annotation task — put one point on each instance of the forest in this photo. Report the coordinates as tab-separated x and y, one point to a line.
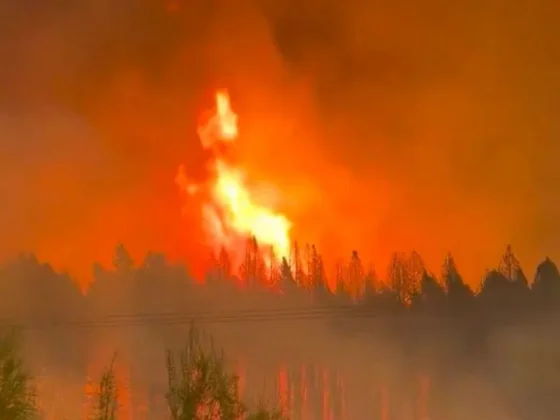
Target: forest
362	127
353	344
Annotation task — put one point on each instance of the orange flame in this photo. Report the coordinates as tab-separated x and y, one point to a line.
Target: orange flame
231	211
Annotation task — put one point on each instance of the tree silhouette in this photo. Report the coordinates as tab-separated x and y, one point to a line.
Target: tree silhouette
298	271
111	289
416	270
355	275
253	269
107	395
400	279
273	274
287	282
459	295
431	296
171	292
498	293
371	285
494	285
505	287
340	278
224	265
154	261
17	391
511	269
315	269
122	261
546	285
319	286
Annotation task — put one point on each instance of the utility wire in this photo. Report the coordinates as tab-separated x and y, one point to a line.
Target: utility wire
196	317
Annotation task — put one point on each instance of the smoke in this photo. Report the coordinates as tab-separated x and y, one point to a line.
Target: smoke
392	363
429	127
384	126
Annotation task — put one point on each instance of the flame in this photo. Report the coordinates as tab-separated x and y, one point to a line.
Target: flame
231	211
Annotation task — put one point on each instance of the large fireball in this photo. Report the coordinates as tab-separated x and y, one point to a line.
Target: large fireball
230	210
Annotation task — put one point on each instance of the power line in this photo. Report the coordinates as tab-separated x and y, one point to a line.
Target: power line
198	317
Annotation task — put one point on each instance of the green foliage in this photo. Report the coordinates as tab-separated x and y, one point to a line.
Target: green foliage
107	403
200	387
17	393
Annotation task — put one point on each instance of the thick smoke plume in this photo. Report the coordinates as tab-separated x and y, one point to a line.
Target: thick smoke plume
432	125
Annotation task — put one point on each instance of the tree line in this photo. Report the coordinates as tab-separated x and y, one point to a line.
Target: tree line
408	309
407	286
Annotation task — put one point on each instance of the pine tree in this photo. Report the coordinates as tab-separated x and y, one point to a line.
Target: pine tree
252	270
511	269
355	276
546	285
399	279
340	279
122	261
274	269
459	295
371	284
286	278
432	294
299	274
416	271
315	273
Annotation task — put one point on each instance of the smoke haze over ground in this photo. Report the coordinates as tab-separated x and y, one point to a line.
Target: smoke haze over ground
448	355
435	124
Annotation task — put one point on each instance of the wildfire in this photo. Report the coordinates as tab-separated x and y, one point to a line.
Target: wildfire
230	210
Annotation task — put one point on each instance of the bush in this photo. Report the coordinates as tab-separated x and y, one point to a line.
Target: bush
202	388
17	391
107	403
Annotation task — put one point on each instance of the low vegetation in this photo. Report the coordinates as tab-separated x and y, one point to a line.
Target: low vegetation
106	407
17	393
200	386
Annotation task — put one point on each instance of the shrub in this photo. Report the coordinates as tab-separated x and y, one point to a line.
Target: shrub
202	388
107	403
17	391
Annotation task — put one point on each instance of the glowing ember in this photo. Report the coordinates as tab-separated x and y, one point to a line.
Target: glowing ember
230	210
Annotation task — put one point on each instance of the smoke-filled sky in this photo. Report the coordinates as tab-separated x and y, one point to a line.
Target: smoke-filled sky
387	126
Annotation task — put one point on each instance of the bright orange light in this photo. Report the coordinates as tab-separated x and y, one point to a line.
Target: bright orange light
227	119
231	211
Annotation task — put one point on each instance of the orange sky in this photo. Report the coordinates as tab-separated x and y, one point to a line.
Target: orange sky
386	127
